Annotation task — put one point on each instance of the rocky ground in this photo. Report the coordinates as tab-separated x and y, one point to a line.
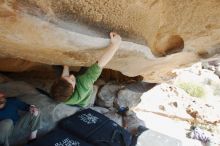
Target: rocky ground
191	98
169	109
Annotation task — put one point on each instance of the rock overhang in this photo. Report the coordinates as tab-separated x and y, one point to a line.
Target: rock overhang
49	32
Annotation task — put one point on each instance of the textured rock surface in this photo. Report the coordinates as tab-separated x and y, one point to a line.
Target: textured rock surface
129	96
172	105
133	122
107	95
47	31
169	109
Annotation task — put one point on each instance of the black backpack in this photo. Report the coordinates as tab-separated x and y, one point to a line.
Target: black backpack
96	129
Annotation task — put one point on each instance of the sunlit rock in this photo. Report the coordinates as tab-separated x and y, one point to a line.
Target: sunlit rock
173	34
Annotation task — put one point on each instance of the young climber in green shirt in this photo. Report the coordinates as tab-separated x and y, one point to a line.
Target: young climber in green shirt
77	91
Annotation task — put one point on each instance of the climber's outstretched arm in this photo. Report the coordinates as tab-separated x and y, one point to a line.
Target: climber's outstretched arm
110	50
65	72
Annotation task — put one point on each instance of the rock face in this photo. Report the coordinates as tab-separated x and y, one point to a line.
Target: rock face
53	32
174	100
107	95
178	105
129	96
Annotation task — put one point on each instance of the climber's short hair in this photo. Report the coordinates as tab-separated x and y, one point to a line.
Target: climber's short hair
61	90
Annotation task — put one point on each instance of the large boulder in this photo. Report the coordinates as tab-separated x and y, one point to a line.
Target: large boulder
53	32
129	96
107	95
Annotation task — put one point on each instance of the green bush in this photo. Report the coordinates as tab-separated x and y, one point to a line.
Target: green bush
193	89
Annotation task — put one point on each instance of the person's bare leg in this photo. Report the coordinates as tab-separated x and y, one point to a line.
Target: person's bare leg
28	124
35	112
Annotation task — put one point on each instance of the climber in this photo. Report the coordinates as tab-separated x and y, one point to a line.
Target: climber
11	124
77	91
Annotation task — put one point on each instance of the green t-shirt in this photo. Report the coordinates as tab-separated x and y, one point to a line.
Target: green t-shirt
84	86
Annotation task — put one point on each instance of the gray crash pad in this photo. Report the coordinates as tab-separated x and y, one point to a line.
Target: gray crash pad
153	138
